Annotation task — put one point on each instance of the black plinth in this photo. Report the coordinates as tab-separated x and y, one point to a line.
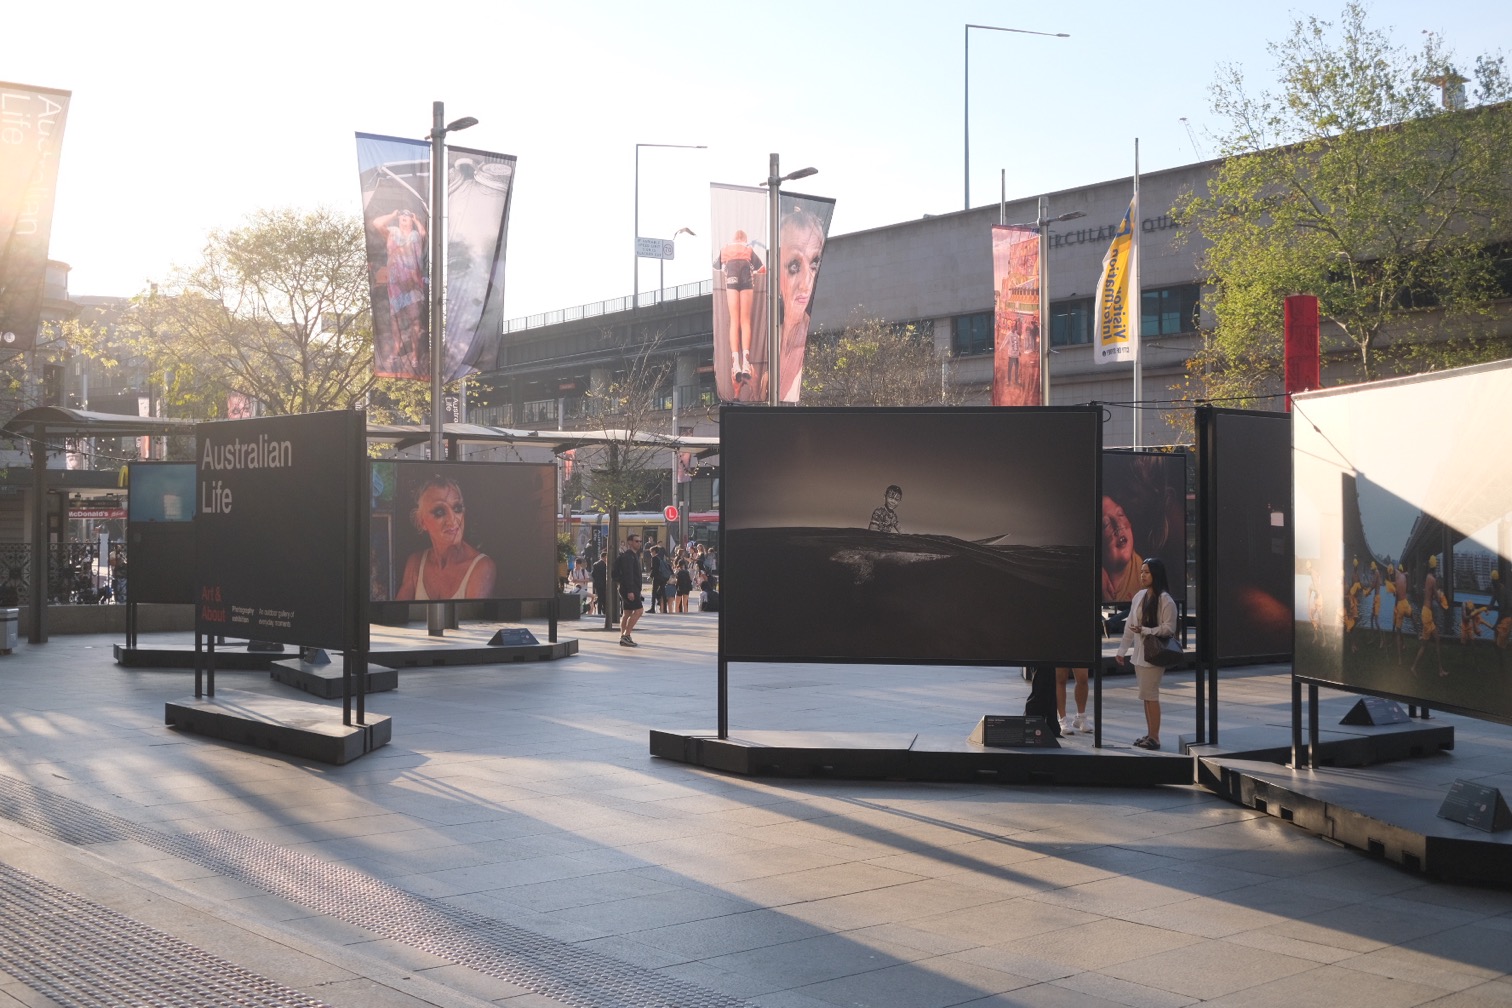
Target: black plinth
883	756
298	728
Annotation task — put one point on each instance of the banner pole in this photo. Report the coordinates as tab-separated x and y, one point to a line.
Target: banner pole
1042	221
774	326
435	614
1136	309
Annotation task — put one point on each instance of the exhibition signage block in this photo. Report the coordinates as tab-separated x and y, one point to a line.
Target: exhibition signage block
1006	731
277	529
1477	806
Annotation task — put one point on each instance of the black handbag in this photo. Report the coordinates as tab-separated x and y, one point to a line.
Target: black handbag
1162	651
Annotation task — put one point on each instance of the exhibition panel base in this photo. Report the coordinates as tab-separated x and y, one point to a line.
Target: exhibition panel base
899	756
291	727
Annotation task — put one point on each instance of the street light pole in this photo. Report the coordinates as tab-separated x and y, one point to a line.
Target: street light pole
966	100
1041	225
1041	212
439	129
661	283
635	273
774	326
436	614
1043	220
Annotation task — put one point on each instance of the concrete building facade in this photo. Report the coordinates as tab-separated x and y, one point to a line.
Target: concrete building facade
935	272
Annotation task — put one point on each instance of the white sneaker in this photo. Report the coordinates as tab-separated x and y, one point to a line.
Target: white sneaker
1065	726
1082	724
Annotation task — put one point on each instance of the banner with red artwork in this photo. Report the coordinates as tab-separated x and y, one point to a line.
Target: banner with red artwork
31	135
1015	323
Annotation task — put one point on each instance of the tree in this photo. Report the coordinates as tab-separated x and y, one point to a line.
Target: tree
623	473
874	363
1354	183
276	310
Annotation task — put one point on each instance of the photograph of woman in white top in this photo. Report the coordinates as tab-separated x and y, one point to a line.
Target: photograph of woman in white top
450	567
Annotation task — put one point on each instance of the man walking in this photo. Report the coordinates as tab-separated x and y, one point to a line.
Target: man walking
627	579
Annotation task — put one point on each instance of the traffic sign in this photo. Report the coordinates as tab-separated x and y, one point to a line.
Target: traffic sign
670	512
654	248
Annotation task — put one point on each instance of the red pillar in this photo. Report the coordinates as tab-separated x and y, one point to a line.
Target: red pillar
1302	358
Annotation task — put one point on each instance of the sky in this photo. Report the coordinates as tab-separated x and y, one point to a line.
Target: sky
186	118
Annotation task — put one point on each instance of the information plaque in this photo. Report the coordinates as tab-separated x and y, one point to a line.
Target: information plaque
1477	806
1005	731
1375	711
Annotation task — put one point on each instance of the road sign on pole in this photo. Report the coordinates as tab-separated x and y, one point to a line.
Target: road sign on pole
654	248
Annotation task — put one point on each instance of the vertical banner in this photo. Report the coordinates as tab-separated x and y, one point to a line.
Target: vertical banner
740	220
1015	323
742	270
144	443
31	135
240	406
479	186
395	176
802	229
1117	307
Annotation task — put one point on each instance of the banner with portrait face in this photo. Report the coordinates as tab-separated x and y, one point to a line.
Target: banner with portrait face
31	136
802	229
742	267
1016	327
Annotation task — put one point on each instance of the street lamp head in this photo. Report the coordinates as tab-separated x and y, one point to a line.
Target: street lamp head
1073	215
800	173
686	231
461	124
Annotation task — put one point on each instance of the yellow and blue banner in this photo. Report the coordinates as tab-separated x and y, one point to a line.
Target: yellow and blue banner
1117	305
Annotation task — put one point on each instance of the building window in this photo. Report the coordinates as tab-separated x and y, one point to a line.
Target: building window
1071	322
540	411
1168	311
972	334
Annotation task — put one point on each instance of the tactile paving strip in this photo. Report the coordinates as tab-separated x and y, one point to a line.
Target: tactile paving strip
83	955
559	970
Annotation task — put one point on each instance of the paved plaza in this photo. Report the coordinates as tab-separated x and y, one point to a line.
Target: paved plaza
515	845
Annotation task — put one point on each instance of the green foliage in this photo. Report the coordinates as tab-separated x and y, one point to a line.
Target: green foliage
277	310
873	363
621	475
1353	183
